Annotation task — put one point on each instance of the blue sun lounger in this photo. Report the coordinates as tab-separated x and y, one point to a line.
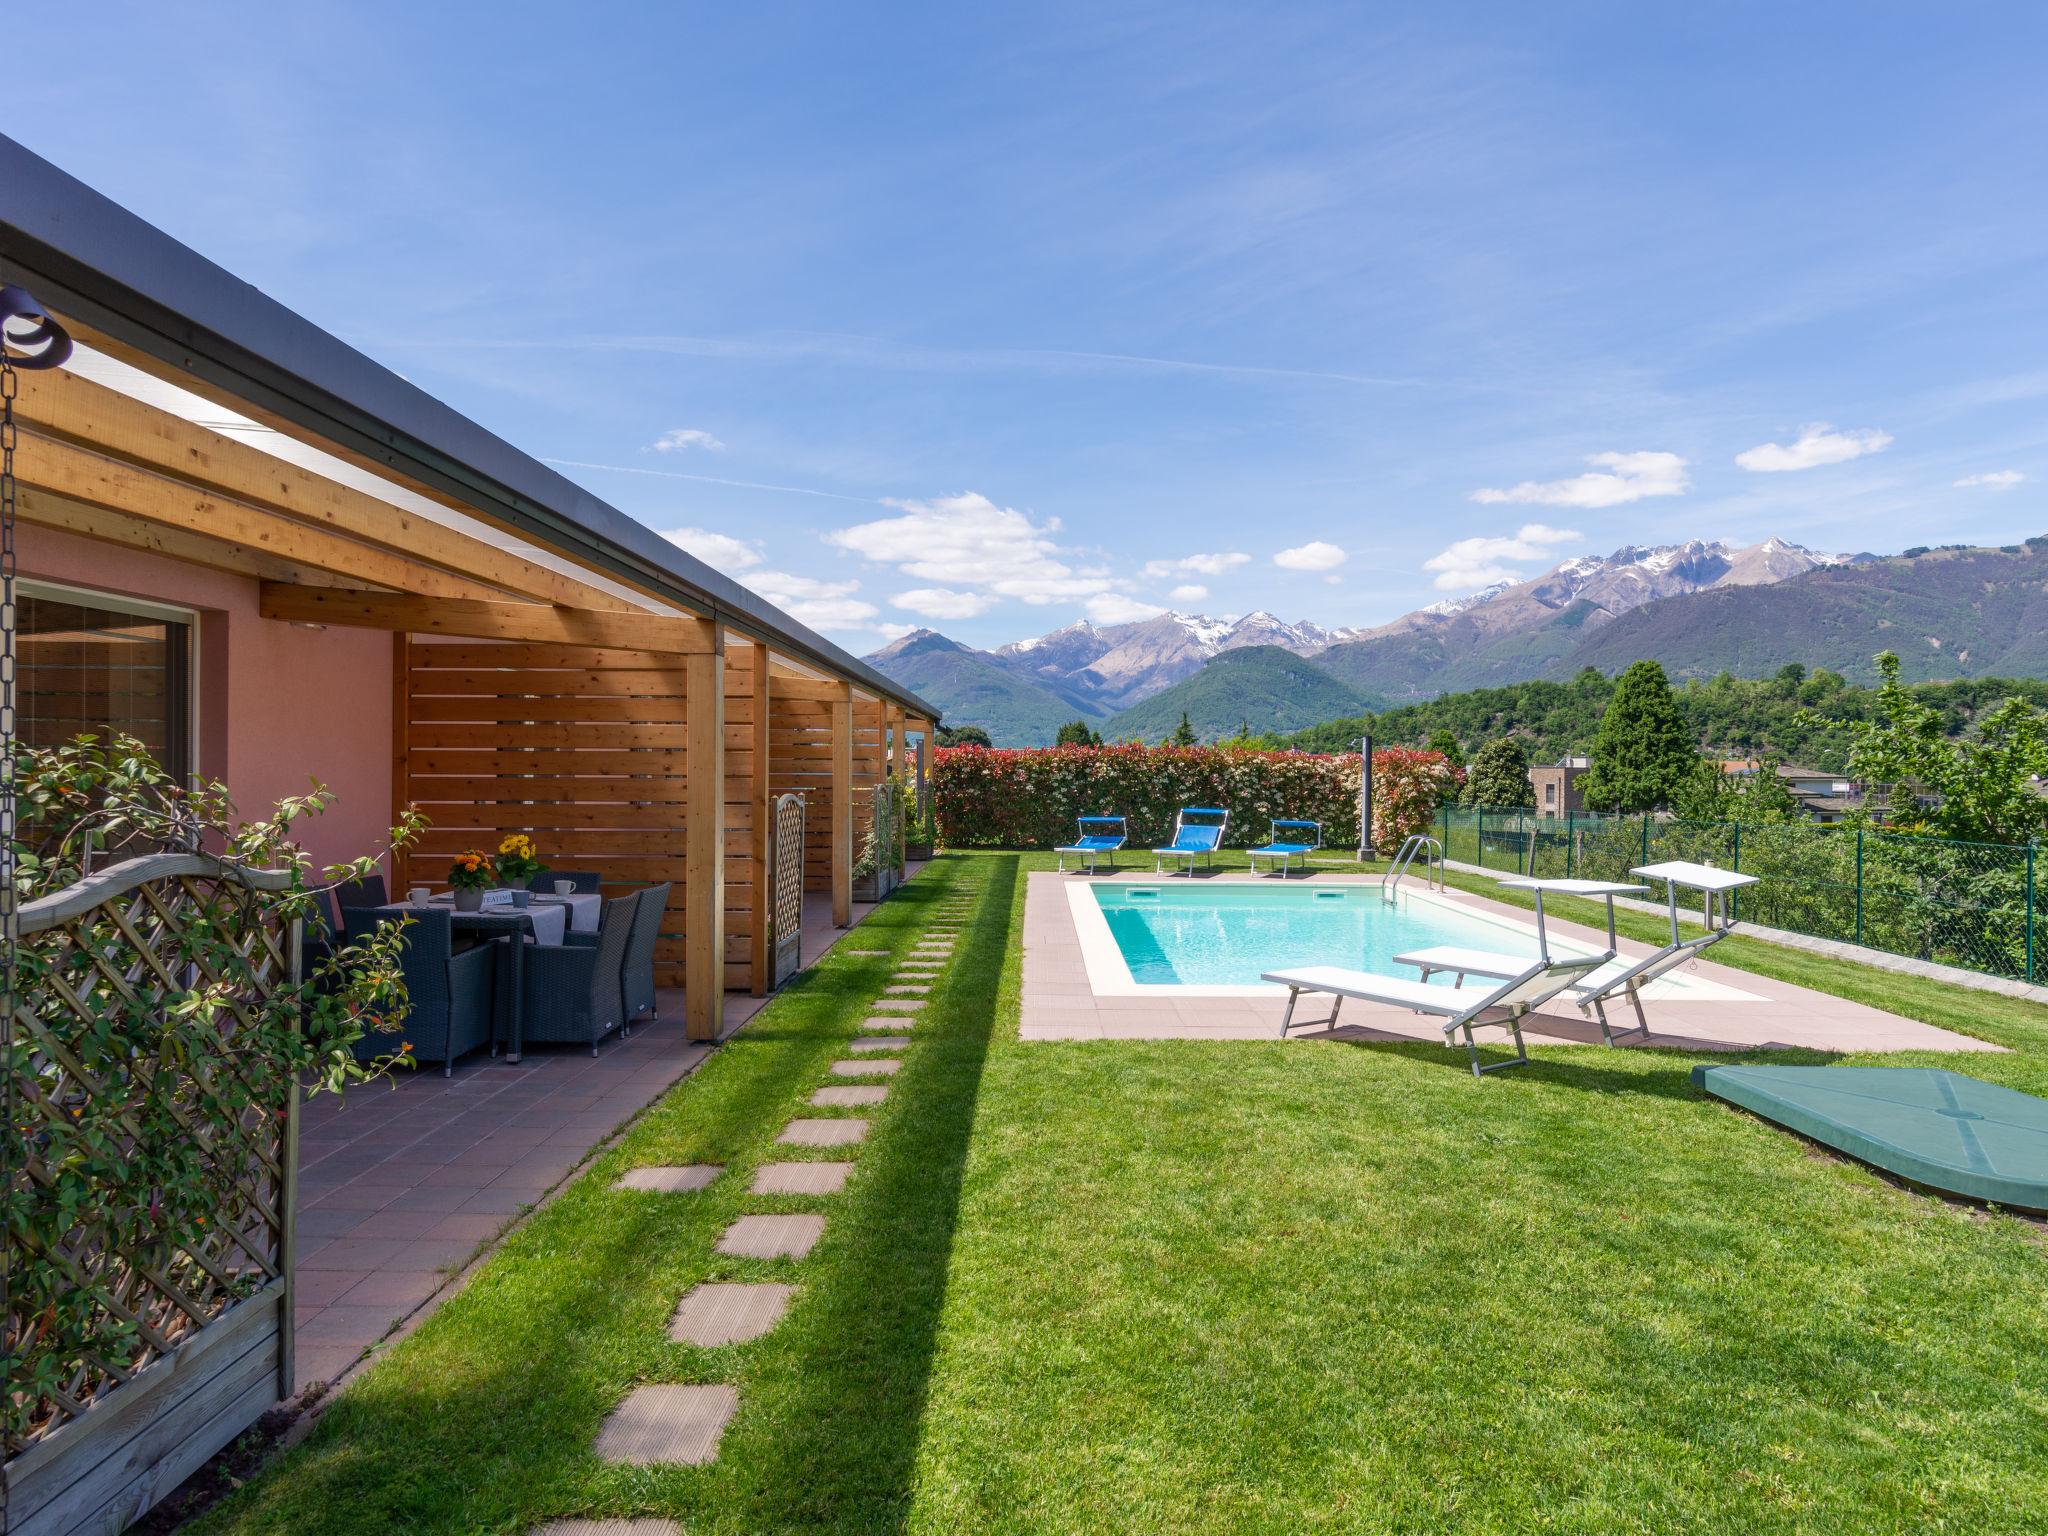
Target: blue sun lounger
1094	837
1193	839
1288	841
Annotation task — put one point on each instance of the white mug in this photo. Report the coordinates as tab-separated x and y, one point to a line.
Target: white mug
565	887
420	894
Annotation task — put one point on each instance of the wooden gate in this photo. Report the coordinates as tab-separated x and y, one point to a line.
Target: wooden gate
786	879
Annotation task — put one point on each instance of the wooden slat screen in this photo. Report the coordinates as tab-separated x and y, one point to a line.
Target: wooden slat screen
801	741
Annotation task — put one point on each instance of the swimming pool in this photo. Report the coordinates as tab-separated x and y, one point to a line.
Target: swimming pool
1218	934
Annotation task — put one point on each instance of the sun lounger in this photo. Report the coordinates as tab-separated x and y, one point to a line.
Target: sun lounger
1288	841
1193	839
1094	837
1504	1006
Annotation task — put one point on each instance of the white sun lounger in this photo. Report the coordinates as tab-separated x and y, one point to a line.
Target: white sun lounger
1529	989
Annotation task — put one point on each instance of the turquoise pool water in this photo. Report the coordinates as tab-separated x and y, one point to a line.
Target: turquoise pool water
1174	934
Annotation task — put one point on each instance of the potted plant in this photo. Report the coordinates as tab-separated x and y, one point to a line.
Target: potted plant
469	877
518	863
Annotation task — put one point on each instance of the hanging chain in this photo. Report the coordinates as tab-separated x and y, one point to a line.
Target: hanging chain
10	935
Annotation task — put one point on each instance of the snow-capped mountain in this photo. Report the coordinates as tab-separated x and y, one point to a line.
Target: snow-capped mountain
1110	666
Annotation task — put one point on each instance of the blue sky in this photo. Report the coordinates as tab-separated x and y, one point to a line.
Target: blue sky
992	317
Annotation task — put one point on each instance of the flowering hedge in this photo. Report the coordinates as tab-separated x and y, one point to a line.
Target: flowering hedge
1028	798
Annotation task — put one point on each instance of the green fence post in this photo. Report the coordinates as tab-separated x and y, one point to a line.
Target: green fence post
1646	838
1859	885
1479	839
1735	897
1571	845
2030	912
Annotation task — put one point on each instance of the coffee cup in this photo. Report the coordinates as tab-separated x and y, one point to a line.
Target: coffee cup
419	895
565	887
521	898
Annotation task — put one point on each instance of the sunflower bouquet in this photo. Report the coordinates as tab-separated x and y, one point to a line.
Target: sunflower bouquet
471	871
518	861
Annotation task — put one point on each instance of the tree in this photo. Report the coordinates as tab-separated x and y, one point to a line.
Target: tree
1983	786
1445	740
963	736
1075	733
1643	754
1183	734
1500	775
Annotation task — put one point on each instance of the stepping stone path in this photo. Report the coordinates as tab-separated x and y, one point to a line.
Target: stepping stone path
800	1178
712	1315
884	1067
823	1133
852	1096
897	1004
907	989
617	1525
880	1042
891	1022
867	951
671	1181
655	1424
771	1237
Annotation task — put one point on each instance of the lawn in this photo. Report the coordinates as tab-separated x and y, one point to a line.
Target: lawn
1233	1286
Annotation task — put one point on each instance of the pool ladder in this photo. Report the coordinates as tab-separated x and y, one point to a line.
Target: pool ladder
1432	853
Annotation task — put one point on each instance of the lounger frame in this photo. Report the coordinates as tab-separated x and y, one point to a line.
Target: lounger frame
1090	846
1284	854
1193	839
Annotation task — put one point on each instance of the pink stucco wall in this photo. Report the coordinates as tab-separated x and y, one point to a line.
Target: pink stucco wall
278	705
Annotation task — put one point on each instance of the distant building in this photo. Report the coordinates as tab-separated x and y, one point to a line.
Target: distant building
1823	796
1557	786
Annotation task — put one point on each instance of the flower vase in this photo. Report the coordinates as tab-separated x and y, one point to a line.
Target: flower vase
469	899
515	882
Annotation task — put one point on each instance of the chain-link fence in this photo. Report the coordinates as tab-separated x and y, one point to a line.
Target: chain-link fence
1964	904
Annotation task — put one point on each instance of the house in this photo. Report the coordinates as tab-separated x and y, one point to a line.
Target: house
1824	796
273	559
1557	786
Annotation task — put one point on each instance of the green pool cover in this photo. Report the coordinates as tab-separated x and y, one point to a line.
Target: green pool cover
1937	1128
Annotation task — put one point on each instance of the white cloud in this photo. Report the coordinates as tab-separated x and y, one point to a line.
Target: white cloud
1194	565
944	603
720	550
1614	480
967	542
1193	592
1115	608
1817	445
1995	480
820	604
1471	564
890	631
1313	556
677	439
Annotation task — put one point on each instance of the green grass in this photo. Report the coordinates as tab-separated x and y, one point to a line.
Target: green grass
1239	1286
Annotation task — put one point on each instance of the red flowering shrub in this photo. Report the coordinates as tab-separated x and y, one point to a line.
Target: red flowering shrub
1407	787
1029	797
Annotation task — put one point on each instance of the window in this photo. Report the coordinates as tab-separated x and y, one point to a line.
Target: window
85	665
1550	794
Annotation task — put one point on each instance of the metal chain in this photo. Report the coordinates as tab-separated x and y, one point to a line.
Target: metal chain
10	936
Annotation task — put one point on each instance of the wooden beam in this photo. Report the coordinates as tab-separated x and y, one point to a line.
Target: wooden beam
50	464
120	427
704	843
842	807
892	721
489	621
42	510
761	792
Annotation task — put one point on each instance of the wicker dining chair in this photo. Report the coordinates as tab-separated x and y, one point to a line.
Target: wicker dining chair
586	880
571	993
450	992
369	891
636	978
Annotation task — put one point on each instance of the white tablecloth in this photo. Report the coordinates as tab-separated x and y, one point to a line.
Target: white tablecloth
585	908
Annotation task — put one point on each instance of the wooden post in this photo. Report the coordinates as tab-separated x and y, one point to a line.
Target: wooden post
704	843
892	724
760	957
401	750
842	806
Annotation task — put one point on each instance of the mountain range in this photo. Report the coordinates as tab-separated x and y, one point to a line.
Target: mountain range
1699	607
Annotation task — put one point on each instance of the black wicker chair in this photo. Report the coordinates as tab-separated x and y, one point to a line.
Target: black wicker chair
636	977
366	892
450	992
586	880
571	991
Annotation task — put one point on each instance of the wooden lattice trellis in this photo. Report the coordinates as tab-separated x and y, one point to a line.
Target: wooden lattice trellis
156	1115
787	873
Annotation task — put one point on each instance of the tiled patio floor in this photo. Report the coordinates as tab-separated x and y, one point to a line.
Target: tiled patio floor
402	1183
1060	1002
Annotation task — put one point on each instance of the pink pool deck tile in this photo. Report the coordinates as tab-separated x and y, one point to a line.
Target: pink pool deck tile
1060	1001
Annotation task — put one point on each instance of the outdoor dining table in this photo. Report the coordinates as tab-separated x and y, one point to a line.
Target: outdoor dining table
544	919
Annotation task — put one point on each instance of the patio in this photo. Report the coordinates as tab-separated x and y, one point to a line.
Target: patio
403	1184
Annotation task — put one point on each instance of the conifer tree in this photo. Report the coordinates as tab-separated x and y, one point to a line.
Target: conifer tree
1500	776
1642	755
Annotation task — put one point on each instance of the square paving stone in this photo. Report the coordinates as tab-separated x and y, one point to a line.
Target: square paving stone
884	1067
880	1042
617	1525
866	951
897	1004
801	1178
712	1315
891	1022
849	1096
667	1424
671	1181
822	1133
772	1237
907	989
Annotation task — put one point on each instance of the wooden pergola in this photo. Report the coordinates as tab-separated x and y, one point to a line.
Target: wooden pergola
556	669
